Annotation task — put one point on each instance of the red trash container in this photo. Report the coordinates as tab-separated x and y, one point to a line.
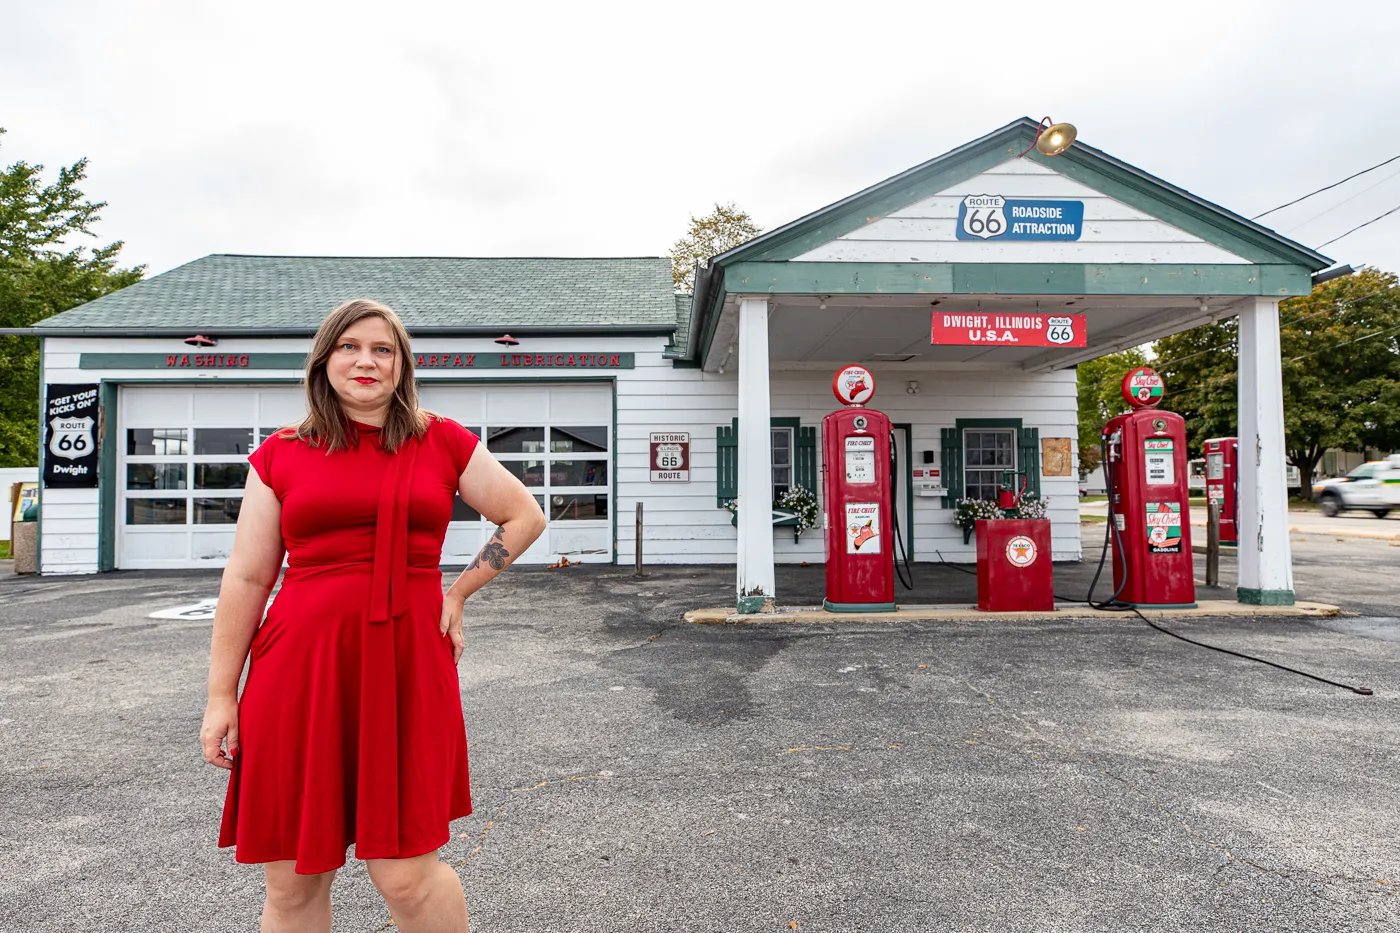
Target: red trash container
1014	573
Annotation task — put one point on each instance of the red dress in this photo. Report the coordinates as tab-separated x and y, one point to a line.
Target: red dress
350	723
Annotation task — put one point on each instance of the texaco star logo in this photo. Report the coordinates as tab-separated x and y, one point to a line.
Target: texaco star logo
1020	551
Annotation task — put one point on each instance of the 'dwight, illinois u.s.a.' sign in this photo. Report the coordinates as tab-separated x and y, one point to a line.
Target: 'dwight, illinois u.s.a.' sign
993	217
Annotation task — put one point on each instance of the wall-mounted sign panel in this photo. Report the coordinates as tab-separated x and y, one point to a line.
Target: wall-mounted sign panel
670	457
70	431
1012	330
993	217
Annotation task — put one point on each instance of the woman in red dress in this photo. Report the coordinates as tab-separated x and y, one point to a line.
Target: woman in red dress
349	729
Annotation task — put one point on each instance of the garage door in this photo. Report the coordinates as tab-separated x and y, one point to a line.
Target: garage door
183	462
558	441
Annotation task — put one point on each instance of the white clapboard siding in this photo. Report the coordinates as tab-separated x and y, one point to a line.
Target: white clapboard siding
683	524
1113	232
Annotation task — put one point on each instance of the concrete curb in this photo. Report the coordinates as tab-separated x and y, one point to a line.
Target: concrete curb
1205	608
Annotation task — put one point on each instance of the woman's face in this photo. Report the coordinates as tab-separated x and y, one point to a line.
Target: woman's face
364	366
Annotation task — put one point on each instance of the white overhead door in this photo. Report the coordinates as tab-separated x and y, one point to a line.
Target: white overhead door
182	463
558	441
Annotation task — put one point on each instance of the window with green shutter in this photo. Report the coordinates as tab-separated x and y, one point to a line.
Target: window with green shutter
794	456
978	452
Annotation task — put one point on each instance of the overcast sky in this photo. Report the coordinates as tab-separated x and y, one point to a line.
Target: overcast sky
597	129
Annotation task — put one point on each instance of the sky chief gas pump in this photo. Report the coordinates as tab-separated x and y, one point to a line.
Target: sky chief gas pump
1149	500
856	484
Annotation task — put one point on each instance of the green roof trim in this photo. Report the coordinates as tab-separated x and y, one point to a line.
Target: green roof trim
1276	265
223	294
1082	163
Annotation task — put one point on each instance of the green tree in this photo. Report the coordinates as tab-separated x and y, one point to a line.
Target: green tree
719	231
1341	370
1100	398
42	273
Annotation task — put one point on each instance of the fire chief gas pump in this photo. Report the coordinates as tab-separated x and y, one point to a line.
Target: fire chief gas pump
1222	484
856	483
1145	460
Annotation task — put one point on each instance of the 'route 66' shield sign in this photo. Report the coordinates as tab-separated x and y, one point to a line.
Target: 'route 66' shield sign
70	438
984	215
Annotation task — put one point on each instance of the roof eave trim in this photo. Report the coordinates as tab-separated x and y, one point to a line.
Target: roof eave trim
475	330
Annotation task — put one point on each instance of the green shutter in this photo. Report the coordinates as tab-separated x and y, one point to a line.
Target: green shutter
1028	458
952	466
726	463
804	442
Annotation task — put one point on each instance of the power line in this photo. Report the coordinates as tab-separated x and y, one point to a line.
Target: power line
1327	188
1339	307
1345	201
1359	226
1375	333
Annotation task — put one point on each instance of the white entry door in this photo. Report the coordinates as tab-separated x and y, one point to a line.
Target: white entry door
558	440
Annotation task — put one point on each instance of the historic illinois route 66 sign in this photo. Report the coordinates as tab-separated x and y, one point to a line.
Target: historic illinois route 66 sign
984	215
670	457
70	438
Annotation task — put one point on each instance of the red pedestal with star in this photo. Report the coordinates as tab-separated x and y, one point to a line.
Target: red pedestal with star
1014	573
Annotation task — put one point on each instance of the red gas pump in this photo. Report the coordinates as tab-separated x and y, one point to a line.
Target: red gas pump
1149	499
1222	483
859	503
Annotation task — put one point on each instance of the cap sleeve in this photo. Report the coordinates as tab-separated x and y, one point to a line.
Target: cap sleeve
460	442
262	461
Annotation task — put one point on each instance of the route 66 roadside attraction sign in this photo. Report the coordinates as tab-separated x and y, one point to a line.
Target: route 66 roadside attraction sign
70	448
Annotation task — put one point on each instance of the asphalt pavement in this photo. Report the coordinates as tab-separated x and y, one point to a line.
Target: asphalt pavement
633	772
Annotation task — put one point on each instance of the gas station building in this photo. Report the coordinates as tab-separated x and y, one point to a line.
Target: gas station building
603	389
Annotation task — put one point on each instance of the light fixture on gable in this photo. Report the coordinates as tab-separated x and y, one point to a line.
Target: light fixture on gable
821	302
1051	138
199	340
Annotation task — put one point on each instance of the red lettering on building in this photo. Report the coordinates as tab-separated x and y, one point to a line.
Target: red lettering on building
420	361
457	360
172	359
243	360
471	359
615	360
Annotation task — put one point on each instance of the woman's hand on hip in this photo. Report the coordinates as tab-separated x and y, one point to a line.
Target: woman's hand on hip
220	728
451	624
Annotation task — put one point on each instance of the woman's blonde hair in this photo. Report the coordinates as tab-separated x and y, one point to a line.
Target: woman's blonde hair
326	421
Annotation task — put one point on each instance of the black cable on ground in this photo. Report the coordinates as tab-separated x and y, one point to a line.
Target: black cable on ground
1362	691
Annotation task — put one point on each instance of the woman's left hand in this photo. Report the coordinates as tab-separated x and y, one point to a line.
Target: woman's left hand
451	624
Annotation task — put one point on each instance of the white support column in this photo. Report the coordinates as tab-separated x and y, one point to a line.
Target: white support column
1265	557
755	479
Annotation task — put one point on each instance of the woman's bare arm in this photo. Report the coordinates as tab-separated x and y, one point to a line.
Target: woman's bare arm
249	576
493	491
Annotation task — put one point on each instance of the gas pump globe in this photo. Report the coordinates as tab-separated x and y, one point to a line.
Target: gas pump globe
1149	498
856	486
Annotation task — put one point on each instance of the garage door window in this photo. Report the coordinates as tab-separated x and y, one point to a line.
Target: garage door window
568	465
208	464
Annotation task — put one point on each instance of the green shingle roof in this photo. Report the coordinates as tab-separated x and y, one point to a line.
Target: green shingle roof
682	338
223	293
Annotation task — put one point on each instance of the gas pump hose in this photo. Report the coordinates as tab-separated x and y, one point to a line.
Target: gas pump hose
1112	605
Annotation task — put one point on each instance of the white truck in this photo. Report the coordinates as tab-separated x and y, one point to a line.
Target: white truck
1372	487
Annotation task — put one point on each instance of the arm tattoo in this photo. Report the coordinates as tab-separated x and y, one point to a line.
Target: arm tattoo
494	553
